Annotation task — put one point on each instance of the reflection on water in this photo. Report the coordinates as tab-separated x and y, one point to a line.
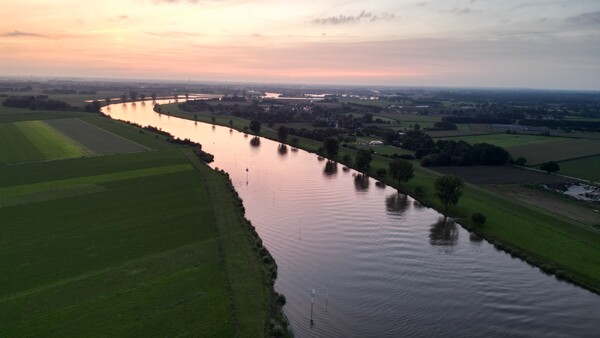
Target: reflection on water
330	169
282	149
443	232
397	203
475	238
361	182
381	264
255	141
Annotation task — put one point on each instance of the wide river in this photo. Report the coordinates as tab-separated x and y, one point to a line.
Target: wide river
381	265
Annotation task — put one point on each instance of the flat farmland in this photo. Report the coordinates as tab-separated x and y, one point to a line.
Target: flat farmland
28	141
35	141
500	175
561	150
99	141
129	247
587	168
505	140
8	114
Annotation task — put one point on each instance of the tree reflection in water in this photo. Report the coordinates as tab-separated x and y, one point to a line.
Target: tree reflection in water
282	149
361	182
255	141
444	232
397	203
330	169
475	238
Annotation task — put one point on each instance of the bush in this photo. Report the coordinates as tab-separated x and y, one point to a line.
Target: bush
478	218
381	172
420	191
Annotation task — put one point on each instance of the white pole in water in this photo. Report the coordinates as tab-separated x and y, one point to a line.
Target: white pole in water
312	301
326	297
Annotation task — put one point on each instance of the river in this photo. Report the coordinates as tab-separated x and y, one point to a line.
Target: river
381	264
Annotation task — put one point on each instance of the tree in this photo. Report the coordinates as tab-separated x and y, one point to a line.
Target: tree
282	133
489	154
142	96
449	189
363	159
478	218
550	167
401	170
230	123
255	126
133	95
93	107
332	146
107	100
294	142
124	97
417	126
520	161
153	95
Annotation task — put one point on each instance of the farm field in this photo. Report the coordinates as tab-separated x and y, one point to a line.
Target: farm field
500	175
20	114
587	168
548	202
125	245
53	139
505	140
99	141
562	150
27	141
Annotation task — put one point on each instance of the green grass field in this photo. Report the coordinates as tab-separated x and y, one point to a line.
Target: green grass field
587	168
505	140
27	141
563	149
141	244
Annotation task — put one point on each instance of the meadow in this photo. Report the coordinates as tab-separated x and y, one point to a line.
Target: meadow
505	140
587	168
150	242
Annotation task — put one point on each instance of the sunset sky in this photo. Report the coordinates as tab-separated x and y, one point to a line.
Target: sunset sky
510	43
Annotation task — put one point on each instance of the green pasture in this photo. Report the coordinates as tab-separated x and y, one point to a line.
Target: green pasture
8	114
141	244
34	141
587	168
561	150
505	140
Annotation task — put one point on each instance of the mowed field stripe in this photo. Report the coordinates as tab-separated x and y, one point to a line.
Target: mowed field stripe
16	148
124	175
99	140
50	142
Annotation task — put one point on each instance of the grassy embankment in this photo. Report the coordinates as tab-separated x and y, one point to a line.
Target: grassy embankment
557	246
151	243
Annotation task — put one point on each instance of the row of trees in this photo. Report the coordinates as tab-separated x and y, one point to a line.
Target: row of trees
35	102
133	95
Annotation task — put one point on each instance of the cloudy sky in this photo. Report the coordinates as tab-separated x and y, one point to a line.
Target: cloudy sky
489	43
